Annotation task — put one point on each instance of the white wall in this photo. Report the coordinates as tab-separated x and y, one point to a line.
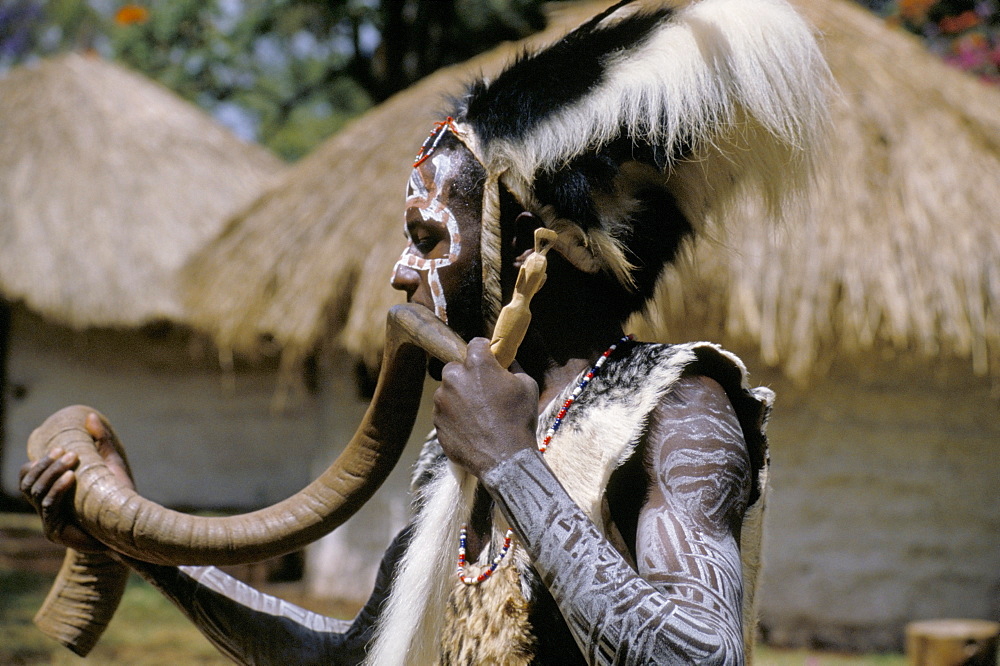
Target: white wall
343	564
885	504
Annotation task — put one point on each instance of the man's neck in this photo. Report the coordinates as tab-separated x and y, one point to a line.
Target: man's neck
554	357
573	322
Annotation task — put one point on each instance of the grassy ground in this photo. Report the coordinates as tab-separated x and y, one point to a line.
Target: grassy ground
148	631
775	657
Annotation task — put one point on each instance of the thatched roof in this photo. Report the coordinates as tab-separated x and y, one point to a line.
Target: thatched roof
902	250
108	183
903	247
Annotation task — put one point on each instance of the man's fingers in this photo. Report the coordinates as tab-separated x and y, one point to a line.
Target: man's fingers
448	373
36	477
49	485
105	443
55	514
30	471
28	475
478	352
102	436
43	481
528	383
95	428
64	483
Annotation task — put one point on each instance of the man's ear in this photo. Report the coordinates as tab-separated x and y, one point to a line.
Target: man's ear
524	233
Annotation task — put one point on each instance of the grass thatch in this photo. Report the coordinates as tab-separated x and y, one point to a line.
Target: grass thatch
108	183
902	250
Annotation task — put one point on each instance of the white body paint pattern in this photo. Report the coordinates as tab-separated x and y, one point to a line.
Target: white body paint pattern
433	204
683	601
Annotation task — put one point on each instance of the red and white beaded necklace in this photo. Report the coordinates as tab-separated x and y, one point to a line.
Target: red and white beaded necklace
542	447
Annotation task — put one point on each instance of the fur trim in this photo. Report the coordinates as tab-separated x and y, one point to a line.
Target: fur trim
408	629
488	624
606	422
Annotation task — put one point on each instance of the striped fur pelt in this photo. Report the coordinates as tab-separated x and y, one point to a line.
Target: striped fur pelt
653	108
433	618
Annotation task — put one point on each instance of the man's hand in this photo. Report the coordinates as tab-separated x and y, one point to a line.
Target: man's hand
50	483
484	414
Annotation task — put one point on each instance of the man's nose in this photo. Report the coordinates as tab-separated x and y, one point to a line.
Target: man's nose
405	278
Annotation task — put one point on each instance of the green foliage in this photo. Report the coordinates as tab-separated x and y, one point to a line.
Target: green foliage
286	73
318	117
274	62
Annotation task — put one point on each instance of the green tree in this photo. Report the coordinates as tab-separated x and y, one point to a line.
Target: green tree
286	73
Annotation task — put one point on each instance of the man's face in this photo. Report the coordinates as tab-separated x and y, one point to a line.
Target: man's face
440	267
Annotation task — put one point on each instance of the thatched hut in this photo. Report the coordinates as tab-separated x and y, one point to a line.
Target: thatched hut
108	183
883	306
877	317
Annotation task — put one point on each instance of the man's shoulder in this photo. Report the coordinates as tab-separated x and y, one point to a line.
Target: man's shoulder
705	359
662	365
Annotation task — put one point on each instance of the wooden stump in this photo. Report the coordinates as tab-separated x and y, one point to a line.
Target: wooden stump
952	642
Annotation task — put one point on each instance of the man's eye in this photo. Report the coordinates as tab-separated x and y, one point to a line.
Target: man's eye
425	244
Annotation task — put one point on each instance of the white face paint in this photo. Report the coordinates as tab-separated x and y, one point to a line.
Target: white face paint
430	199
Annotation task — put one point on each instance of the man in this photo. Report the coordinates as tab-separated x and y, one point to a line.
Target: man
601	497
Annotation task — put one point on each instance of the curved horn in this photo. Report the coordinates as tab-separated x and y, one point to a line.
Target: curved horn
147	531
88	587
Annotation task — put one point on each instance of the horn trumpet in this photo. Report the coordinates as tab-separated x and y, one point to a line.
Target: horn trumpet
89	586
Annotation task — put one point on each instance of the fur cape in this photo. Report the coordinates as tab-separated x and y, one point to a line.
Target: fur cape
433	618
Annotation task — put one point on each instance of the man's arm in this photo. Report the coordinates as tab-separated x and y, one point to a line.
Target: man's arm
251	627
683	604
687	540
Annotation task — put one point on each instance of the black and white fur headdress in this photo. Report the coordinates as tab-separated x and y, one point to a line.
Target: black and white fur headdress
651	120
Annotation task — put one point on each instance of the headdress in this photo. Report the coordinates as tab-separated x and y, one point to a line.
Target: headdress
650	121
